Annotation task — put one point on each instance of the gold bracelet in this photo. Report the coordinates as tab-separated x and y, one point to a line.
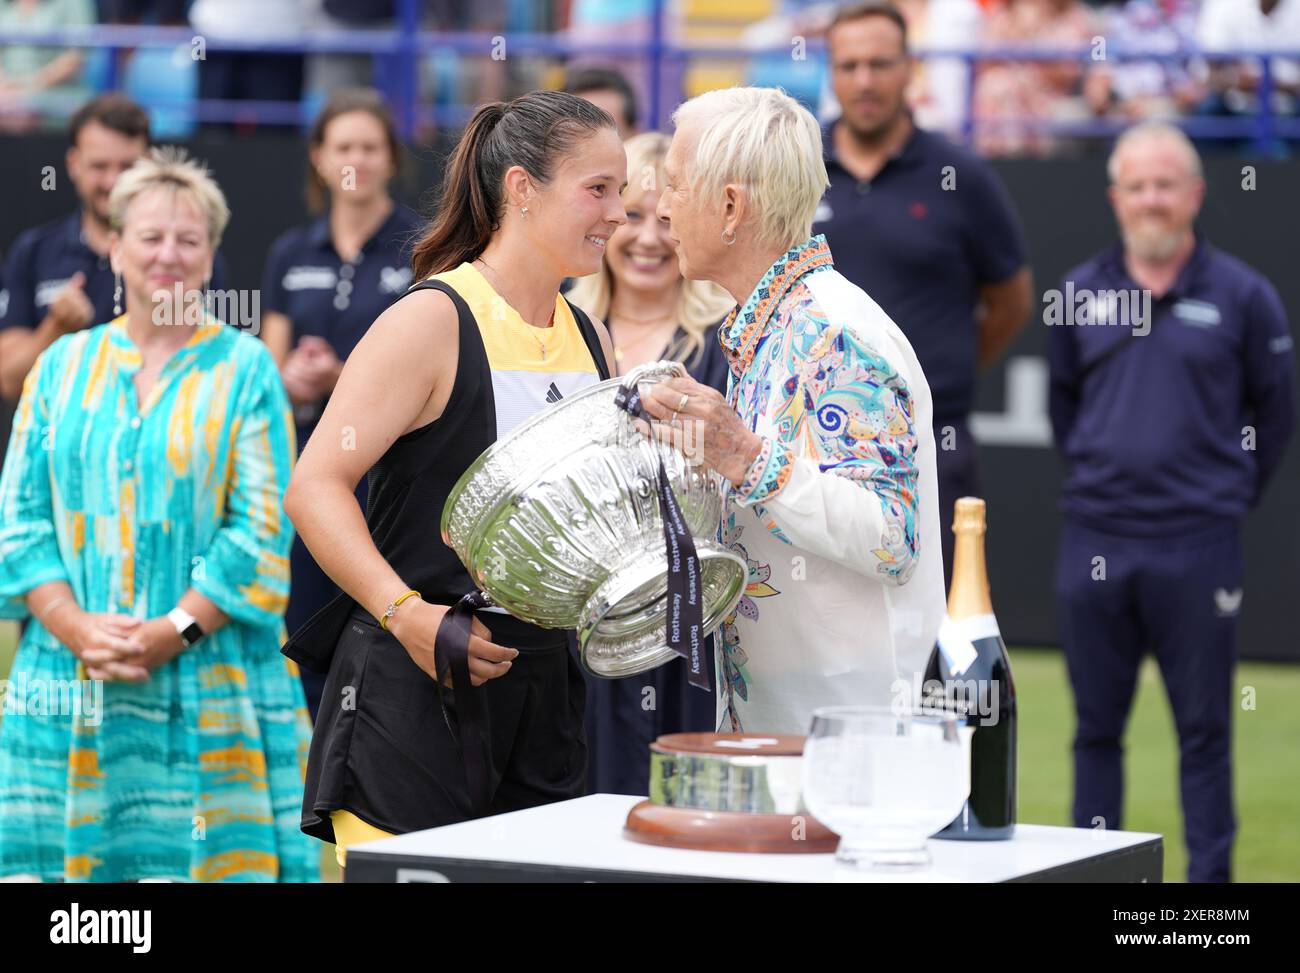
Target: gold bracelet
391	610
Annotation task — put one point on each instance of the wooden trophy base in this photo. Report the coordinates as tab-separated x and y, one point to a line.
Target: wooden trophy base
684	827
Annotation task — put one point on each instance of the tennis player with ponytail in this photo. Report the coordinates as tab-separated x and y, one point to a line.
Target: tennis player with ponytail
481	342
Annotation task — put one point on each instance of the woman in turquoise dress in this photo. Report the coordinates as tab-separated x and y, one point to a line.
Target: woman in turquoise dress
151	728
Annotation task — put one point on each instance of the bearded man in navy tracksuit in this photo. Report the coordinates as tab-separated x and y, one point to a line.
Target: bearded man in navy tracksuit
1172	401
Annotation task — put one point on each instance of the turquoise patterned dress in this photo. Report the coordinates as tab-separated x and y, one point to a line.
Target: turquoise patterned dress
196	774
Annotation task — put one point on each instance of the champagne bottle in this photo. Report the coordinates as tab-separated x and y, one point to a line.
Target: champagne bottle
969	666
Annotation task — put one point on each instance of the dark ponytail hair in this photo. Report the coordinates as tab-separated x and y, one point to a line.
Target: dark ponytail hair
534	131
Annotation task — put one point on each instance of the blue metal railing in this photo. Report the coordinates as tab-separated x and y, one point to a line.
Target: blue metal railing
409	46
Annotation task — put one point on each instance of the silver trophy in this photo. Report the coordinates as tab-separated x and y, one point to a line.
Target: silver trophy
559	524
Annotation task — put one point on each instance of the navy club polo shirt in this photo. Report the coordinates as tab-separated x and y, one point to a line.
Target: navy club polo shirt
1151	425
44	259
324	295
922	251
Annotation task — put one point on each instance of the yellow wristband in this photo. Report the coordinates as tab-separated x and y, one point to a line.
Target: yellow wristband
391	610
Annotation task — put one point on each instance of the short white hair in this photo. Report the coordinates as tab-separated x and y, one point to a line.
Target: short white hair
169	166
1155	132
767	141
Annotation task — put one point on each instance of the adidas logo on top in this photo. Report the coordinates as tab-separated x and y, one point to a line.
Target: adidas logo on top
553	394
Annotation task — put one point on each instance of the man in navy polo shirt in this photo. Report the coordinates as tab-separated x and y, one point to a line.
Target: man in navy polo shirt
58	274
1172	401
925	228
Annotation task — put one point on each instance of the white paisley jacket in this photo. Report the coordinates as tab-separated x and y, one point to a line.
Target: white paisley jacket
838	516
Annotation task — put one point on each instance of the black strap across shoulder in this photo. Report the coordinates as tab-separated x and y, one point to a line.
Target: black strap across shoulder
591	339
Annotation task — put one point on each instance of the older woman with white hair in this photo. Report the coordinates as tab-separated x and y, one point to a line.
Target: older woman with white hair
824	432
141	530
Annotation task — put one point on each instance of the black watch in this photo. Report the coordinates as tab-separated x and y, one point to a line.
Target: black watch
188	628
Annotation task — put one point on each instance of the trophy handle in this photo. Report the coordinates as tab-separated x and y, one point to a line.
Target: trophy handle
654	371
650	373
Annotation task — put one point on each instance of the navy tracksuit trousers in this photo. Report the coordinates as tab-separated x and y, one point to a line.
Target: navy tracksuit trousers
1178	597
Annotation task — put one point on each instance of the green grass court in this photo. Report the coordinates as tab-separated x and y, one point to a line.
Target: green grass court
1268	798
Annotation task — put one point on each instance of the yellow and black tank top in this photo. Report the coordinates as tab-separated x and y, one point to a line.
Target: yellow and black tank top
531	367
506	372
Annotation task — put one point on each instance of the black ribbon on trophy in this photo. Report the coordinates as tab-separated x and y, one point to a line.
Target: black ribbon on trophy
451	653
685	626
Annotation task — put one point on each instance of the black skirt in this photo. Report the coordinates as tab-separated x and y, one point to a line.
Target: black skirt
387	746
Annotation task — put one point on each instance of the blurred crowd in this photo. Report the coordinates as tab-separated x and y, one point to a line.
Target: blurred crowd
1019	106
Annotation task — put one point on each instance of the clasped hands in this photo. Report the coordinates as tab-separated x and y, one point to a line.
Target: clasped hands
116	648
311	370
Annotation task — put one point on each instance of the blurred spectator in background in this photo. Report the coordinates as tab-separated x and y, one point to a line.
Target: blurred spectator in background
249	75
328	72
609	89
58	274
326	281
1010	92
141	529
1250	25
40	84
451	79
924	227
1171	416
167	12
784	37
938	94
1138	90
652	313
597	22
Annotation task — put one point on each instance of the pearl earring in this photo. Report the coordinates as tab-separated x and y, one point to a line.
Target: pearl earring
117	295
523	212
